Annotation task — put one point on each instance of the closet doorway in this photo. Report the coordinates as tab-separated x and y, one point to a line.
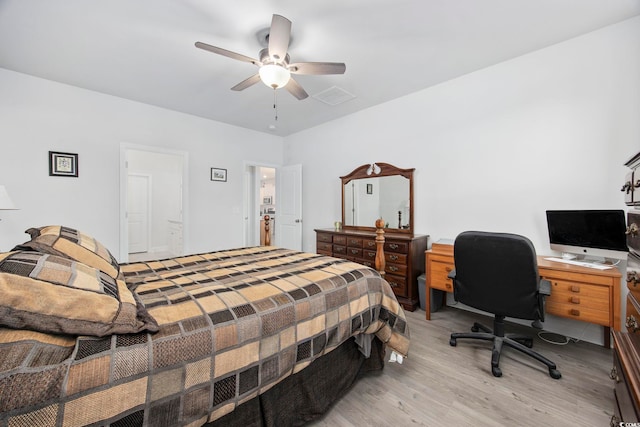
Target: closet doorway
152	202
260	200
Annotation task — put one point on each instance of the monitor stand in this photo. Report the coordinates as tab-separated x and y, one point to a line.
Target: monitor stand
568	255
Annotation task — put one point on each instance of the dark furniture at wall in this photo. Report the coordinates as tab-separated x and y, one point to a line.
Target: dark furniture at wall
498	273
403	255
626	377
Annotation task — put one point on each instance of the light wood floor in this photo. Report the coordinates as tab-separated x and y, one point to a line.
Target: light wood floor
440	385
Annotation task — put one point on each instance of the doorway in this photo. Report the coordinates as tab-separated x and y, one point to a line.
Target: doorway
152	202
260	200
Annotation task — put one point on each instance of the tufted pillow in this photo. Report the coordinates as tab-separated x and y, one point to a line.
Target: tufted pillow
48	293
70	243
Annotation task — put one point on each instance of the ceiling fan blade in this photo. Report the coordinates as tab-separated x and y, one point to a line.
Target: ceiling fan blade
227	53
247	82
296	90
279	35
317	68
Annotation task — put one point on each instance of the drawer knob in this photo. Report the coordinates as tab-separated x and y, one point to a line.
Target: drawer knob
632	229
448	269
632	277
637	184
626	187
575	288
615	421
354	251
392	268
575	300
614	375
393	257
631	323
393	246
393	284
448	285
574	312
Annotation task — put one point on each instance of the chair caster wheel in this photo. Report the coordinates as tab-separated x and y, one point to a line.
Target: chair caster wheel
555	374
453	342
497	372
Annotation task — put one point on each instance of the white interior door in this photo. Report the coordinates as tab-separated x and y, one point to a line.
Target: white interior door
289	207
138	202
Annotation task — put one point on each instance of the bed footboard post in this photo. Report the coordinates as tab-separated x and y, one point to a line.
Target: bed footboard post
380	263
267	231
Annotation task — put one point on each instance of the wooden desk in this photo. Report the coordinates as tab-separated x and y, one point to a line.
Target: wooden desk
579	293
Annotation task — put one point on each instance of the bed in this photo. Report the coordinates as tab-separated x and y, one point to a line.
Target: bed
248	336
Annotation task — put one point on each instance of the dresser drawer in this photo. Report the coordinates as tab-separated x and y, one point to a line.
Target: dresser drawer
397	247
340	240
632	321
625	408
397	269
339	250
398	284
395	258
354	242
323	247
354	252
369	255
324	237
369	244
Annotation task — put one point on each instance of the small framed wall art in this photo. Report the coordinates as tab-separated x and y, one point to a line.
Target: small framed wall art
63	164
218	174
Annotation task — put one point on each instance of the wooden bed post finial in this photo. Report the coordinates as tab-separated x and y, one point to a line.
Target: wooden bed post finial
380	263
267	231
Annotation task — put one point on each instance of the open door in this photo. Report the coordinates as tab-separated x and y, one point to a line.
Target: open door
289	207
138	212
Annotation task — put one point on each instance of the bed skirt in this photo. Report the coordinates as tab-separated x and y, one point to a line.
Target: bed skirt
308	394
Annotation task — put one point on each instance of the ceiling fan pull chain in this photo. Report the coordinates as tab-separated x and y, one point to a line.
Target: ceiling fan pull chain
275	102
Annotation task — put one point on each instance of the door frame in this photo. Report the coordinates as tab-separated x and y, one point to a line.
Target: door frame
251	200
124	226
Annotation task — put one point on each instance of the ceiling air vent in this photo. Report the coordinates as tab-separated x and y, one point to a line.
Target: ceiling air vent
334	96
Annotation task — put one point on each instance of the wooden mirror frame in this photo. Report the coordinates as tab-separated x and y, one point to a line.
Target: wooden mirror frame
386	169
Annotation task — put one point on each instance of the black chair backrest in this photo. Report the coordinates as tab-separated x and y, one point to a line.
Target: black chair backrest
497	273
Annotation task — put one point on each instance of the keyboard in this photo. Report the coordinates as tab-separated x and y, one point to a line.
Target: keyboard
581	263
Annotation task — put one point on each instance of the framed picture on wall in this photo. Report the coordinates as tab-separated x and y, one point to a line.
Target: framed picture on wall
218	174
63	164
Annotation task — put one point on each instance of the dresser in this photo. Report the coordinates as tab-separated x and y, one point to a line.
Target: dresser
403	254
578	293
626	377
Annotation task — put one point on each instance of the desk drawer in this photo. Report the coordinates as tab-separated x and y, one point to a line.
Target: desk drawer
438	276
580	294
578	312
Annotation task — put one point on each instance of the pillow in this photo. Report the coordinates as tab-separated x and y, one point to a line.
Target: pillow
48	293
74	244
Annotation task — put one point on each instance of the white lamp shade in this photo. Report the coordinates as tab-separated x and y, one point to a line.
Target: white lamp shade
274	76
5	201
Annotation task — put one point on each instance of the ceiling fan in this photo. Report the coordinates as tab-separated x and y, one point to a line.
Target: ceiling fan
275	68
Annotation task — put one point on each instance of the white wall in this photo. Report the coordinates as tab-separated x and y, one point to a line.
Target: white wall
494	149
37	115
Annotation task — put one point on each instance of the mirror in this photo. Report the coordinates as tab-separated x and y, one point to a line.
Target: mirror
378	190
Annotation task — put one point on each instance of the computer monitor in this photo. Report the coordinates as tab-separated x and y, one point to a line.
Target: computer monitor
595	233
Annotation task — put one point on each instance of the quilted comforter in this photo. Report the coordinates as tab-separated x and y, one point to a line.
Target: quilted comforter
231	325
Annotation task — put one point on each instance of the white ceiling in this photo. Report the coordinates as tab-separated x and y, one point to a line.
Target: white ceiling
143	50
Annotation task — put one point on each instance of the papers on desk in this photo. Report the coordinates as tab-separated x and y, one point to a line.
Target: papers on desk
581	263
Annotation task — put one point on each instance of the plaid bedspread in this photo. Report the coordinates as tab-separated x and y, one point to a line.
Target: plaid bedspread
232	324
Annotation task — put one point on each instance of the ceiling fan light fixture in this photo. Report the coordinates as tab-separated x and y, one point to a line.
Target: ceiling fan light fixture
274	76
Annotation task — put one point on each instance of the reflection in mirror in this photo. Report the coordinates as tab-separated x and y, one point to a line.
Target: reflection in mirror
384	197
379	190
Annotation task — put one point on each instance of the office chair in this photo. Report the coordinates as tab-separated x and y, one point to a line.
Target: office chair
498	273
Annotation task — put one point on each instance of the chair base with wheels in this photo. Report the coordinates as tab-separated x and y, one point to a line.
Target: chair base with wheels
522	343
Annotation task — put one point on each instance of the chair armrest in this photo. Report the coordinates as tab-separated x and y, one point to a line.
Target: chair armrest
545	287
452	274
